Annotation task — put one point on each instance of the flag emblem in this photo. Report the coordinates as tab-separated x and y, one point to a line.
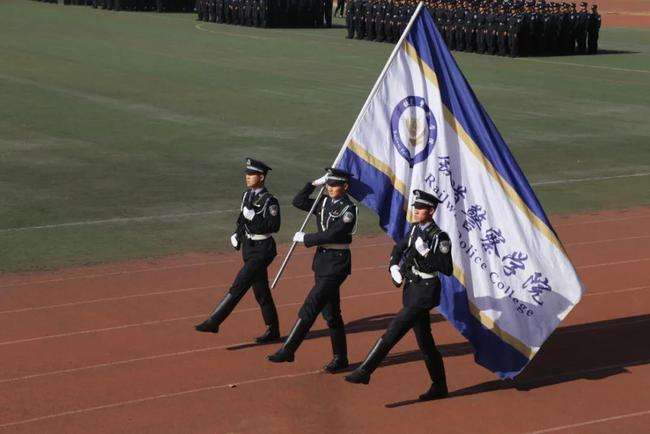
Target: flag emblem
413	120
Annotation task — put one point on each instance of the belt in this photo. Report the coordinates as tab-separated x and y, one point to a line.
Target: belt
258	237
335	246
423	275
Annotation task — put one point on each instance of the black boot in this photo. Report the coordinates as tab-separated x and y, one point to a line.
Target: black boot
435	392
211	325
436	368
374	358
271	334
339	349
295	338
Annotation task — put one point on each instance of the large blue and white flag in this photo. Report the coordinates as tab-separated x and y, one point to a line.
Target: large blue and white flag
423	128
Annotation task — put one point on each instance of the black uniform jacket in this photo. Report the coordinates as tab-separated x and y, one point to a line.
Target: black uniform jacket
266	222
336	222
418	291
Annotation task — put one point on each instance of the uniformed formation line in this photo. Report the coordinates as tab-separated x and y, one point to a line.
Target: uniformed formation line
161	396
221	286
590	422
226	346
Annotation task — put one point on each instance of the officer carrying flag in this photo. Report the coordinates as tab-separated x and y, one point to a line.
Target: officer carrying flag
422	128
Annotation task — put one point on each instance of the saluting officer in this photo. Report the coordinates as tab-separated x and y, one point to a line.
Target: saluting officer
258	220
336	218
424	253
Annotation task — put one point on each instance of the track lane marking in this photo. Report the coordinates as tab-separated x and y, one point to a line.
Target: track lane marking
203	287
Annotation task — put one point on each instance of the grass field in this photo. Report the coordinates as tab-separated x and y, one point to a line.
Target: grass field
144	119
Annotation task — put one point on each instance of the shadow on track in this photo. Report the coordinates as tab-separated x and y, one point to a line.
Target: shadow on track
590	351
371	323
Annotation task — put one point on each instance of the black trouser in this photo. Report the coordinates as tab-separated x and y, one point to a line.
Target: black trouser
254	274
418	319
592	42
325	298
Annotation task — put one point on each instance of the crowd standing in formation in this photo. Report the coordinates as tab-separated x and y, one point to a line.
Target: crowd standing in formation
267	13
534	28
133	5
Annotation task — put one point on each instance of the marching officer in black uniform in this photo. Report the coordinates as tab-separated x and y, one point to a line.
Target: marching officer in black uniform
424	253
258	220
336	218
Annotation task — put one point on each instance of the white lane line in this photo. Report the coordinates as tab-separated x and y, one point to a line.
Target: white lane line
180	353
198	288
237	35
304	374
198	264
161	268
595	178
589	222
615	291
220	347
609	240
118	273
590	422
149	294
146	323
120	220
161	396
90	331
211	212
117	298
581	65
607	264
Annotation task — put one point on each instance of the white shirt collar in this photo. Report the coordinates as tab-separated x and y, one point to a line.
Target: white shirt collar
424	225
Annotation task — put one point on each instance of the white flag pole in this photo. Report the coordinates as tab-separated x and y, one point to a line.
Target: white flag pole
347	139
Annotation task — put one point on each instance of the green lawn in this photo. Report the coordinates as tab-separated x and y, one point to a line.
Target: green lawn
107	115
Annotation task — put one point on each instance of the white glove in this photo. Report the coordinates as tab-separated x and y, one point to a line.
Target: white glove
249	214
395	274
299	237
234	241
421	247
320	181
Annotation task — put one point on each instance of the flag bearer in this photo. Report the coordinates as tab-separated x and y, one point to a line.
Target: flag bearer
336	218
424	253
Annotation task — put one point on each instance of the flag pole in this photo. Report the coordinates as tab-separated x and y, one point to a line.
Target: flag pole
349	136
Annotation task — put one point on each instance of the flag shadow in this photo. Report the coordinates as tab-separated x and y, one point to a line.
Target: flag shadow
590	351
367	324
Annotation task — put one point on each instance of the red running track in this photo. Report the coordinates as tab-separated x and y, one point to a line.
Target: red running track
112	349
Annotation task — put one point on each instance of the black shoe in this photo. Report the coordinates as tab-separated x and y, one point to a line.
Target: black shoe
358	376
337	364
434	392
207	326
281	356
272	334
295	338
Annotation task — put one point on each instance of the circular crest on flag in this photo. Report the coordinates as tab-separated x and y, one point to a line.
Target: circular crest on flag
413	121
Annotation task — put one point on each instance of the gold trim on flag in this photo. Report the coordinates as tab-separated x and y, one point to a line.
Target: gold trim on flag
474	149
